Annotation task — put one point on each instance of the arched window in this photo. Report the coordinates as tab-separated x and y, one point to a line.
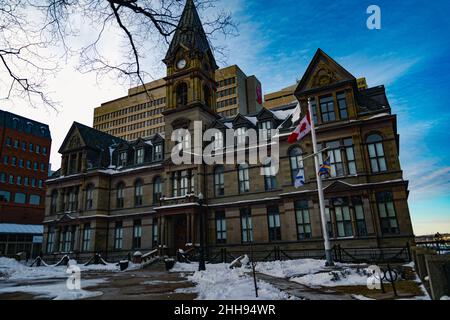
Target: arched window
219	181
244	178
207	94
296	163
138	192
376	153
120	195
54	202
182	94
157	190
89	197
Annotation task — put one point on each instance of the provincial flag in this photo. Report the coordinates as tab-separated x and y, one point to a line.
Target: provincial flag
325	168
302	130
299	179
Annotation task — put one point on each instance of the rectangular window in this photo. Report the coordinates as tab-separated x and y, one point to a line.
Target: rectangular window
20	198
270	179
5	196
359	216
342	105
327	109
175	184
221	228
343	217
8	141
137	234
118	236
87	237
5	160
35	199
50	239
184	183
350	154
314	110
244	178
303	220
2	177
123	159
155	233
265	130
334	152
157	153
388	216
329	223
246	225
218	141
241	136
30	147
140	156
273	216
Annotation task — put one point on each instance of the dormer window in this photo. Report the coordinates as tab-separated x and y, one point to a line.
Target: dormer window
157	153
218	141
265	128
140	156
241	134
123	159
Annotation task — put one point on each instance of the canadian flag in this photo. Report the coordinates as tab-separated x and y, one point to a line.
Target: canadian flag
302	130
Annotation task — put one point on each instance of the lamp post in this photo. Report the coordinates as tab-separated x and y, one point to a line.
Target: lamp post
201	262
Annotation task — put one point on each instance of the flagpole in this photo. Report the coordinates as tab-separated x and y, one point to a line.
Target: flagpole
326	238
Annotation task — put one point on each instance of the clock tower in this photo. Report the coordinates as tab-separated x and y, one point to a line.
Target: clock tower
190	66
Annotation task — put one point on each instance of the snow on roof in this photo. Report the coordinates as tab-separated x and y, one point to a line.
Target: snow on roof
21	228
252	120
283	114
229	125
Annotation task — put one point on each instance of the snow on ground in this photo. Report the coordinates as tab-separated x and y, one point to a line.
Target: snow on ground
219	282
57	290
313	273
325	279
11	269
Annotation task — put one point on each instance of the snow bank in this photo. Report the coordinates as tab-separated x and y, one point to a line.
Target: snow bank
290	268
219	282
13	270
326	279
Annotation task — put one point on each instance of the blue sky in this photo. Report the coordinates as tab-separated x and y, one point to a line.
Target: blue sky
410	55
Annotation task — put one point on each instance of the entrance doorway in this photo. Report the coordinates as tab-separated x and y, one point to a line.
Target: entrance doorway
179	232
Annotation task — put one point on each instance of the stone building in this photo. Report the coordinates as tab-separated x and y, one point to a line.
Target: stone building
139	114
115	197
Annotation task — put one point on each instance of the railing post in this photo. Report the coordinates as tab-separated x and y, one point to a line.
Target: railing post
408	251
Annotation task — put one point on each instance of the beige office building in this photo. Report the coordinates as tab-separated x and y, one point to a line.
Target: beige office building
139	114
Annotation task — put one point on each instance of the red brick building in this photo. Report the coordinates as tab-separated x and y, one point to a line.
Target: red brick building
24	166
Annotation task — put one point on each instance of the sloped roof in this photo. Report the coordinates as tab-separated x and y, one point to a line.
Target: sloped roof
190	33
93	138
21	228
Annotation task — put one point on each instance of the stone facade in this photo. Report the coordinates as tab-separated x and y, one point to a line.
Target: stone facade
119	197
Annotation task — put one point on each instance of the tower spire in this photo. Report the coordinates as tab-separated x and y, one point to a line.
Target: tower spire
190	35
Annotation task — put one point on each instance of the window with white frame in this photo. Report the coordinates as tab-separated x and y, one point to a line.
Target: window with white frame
303	220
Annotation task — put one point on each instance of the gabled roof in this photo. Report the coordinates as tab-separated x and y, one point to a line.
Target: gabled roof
321	56
190	34
92	138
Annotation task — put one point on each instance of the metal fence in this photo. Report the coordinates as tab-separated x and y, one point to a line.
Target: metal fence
440	246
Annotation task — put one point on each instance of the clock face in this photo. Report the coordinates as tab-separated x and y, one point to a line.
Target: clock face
181	64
